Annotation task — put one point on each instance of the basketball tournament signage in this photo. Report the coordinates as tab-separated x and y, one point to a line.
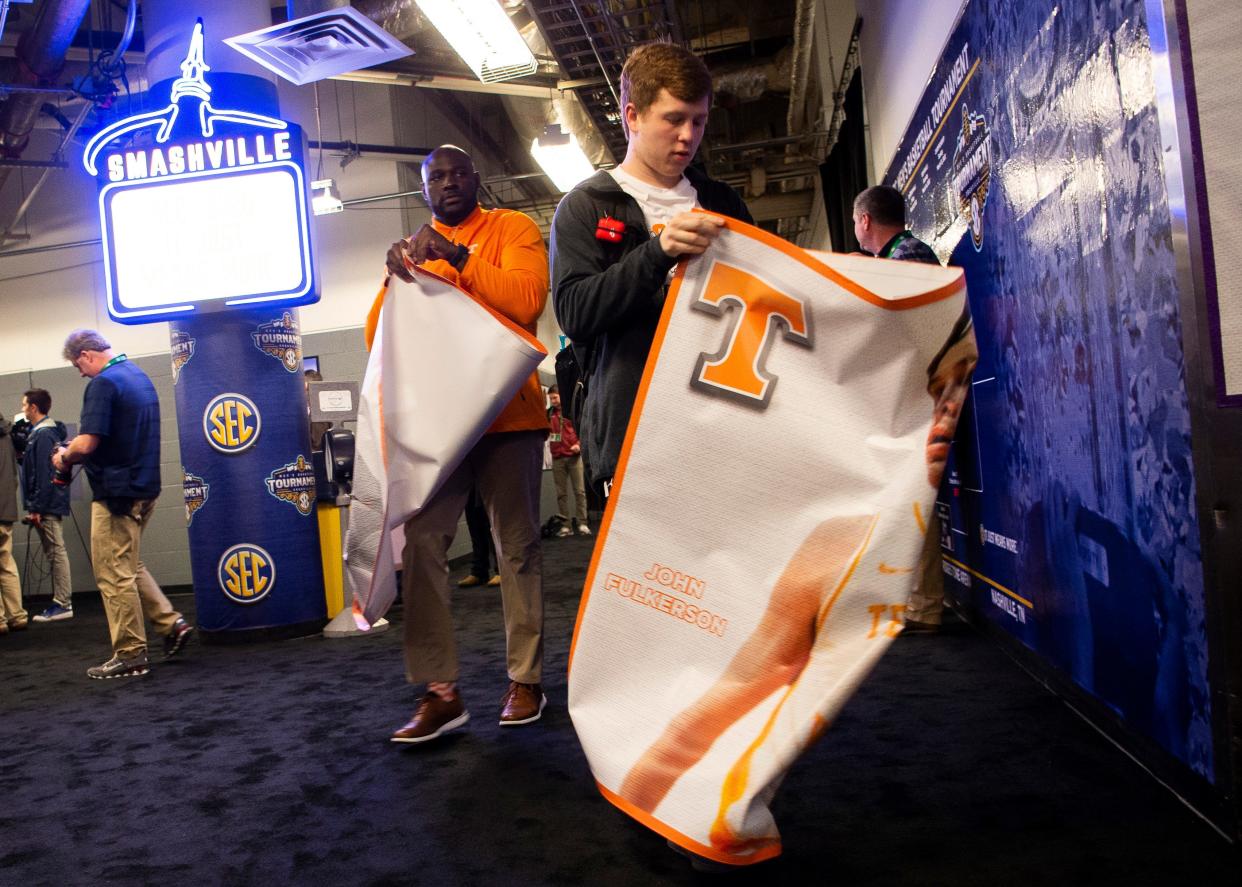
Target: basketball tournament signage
201	208
1034	161
250	497
758	548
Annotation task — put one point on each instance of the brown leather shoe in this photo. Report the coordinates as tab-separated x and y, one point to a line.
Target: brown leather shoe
4	627
523	704
434	717
494	582
18	624
469	581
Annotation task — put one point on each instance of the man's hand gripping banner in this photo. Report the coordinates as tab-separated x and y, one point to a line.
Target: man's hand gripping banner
759	546
442	367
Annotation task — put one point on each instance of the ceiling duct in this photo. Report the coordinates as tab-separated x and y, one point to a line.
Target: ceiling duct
591	40
320	44
40	57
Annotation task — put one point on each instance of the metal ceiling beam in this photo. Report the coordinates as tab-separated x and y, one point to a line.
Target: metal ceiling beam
591	40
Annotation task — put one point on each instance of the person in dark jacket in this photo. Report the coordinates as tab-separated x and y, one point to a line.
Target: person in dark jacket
617	236
119	443
880	227
12	613
47	501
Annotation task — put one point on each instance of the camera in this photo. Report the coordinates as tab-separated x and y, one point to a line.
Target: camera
61	477
19	434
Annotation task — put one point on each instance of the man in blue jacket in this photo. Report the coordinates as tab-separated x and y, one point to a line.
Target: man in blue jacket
46	500
618	234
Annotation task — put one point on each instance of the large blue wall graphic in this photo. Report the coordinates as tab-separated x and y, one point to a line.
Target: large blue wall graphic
1035	160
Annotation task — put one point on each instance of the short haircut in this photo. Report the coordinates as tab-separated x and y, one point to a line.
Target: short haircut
313	375
659	66
552	389
83	340
445	149
39	399
885	205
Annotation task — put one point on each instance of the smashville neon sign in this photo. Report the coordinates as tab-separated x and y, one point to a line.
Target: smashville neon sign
201	208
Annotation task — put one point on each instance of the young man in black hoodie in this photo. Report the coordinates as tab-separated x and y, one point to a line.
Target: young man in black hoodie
618	234
46	499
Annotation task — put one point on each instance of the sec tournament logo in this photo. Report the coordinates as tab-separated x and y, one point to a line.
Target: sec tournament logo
246	573
196	491
282	340
231	423
182	351
294	483
972	172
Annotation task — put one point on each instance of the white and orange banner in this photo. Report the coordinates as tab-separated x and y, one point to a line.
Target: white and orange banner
442	367
758	550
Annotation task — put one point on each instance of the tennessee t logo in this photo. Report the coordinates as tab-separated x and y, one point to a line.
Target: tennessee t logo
737	369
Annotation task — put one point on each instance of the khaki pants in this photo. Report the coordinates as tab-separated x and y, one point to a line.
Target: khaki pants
506	468
927	596
52	538
566	473
126	587
11	609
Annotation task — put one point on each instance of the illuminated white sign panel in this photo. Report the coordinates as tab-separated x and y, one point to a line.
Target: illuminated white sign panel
201	223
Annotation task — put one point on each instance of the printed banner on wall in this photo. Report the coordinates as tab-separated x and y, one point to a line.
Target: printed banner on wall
442	367
247	478
757	553
1034	163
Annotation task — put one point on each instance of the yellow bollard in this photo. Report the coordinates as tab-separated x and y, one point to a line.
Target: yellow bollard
330	553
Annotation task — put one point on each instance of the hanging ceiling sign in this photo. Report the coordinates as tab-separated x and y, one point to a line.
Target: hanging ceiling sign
201	208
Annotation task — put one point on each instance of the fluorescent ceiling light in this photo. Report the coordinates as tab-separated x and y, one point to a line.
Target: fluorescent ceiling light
482	34
561	157
326	202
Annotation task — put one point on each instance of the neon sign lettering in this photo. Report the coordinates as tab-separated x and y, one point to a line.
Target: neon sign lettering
201	208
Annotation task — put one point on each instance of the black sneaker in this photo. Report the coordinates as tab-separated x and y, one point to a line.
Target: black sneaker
116	667
175	639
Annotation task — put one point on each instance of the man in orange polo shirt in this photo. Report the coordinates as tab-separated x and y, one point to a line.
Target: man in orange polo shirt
498	257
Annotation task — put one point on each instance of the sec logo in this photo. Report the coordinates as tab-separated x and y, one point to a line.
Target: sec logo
246	573
231	423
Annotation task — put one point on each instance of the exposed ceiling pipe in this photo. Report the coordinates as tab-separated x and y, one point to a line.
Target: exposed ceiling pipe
40	58
804	32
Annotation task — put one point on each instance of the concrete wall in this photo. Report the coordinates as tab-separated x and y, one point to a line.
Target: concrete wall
900	42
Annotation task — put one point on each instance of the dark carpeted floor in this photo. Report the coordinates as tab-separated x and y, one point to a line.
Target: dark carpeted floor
269	765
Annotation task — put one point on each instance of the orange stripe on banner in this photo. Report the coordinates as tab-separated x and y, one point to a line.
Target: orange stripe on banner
800	256
836	592
666	315
722	835
509	324
383	434
918	518
665	831
893	571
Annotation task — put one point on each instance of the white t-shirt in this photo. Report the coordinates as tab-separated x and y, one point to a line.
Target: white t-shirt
658	204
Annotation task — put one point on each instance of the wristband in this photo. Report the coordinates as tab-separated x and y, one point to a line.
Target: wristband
459	258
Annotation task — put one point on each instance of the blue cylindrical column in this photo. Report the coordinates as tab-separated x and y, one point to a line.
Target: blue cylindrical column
241	401
249	480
